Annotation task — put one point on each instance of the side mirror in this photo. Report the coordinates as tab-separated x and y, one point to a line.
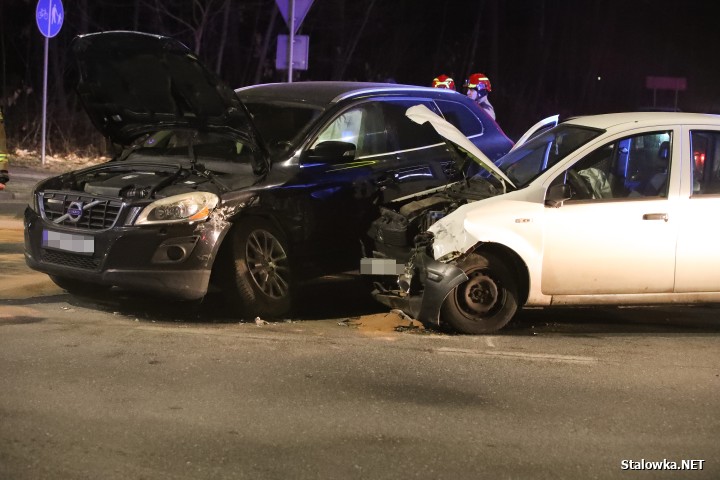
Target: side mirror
557	195
332	151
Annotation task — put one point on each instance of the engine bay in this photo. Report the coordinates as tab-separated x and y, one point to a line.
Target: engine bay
129	181
394	231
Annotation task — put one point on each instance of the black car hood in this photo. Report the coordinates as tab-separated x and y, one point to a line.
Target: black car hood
132	82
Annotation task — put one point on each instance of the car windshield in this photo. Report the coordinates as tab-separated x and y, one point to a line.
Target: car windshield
216	151
282	124
536	156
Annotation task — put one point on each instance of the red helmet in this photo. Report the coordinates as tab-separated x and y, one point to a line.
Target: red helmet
443	81
479	79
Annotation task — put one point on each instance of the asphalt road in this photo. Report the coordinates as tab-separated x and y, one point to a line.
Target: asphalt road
121	386
16	194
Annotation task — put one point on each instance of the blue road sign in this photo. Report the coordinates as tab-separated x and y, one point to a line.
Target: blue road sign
49	16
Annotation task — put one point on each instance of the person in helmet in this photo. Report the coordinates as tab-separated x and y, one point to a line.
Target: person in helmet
478	87
4	176
443	81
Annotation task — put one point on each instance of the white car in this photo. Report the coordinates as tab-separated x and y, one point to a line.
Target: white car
615	209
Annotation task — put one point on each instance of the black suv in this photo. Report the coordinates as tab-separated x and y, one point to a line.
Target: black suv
252	190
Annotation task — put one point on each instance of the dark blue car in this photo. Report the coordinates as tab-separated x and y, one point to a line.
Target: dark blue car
253	190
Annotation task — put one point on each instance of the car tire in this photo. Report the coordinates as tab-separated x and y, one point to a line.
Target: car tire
486	301
260	280
78	287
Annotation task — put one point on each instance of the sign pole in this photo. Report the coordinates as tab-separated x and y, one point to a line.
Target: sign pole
293	12
44	99
49	15
291	38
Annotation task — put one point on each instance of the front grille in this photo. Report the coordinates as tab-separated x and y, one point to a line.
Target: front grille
70	260
97	213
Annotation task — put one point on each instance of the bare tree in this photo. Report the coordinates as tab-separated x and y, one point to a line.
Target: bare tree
348	54
265	45
223	36
202	12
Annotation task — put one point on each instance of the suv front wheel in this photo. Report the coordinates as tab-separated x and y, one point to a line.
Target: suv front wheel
261	281
486	301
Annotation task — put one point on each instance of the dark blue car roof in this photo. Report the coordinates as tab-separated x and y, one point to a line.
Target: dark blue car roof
324	94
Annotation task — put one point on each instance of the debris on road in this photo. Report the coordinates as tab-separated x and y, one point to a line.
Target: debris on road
393	321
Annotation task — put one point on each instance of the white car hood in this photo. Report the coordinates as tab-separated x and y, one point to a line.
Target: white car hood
421	114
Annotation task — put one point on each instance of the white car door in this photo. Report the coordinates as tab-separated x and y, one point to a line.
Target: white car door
698	255
617	235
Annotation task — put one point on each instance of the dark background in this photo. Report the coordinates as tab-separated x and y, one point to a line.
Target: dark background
542	56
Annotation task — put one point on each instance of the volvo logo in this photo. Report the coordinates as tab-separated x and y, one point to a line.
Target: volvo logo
75	211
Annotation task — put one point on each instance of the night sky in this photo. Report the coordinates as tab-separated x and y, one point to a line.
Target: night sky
542	56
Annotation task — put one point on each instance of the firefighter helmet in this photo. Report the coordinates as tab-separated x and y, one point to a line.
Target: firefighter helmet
476	80
443	81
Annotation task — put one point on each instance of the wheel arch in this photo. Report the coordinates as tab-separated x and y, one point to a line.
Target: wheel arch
513	261
225	243
251	293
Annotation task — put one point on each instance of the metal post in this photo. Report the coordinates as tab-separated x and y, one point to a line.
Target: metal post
291	38
44	100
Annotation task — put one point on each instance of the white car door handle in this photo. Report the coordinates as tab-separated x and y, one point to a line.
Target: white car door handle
656	216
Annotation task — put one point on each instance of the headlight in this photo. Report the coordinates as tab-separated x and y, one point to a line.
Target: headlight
187	207
36	193
34	202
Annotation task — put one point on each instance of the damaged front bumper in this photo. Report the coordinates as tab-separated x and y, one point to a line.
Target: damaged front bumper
431	283
168	260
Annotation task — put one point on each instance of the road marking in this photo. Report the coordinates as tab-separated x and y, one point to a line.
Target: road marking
542	357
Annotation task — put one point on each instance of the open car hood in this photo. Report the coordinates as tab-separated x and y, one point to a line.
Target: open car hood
421	114
131	82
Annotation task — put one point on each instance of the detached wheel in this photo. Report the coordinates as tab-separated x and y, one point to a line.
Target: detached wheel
260	280
78	287
486	302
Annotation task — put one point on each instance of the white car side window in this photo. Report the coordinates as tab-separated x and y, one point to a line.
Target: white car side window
633	167
706	162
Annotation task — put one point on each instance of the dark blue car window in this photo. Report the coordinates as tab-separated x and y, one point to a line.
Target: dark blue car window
380	126
404	133
282	124
461	117
363	125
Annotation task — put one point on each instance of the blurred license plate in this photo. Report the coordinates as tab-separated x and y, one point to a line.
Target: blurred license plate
68	242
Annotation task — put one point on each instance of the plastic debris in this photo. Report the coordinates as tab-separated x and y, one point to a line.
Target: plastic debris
402	314
260	321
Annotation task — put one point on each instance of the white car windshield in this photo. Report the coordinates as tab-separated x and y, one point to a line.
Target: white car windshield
542	152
